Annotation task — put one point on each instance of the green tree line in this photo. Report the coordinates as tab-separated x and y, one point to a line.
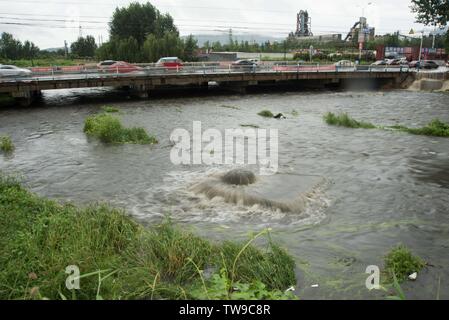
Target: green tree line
13	49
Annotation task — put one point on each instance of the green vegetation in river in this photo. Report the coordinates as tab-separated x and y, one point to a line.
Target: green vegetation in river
109	129
401	262
109	109
435	128
250	126
229	107
266	114
6	144
119	259
344	120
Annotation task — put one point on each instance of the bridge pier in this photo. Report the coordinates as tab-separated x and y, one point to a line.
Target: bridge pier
25	98
139	91
238	86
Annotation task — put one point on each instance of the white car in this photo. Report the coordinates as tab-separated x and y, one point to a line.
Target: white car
13	71
346	65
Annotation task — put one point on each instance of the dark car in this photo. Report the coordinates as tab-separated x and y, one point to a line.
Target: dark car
424	64
428	64
244	65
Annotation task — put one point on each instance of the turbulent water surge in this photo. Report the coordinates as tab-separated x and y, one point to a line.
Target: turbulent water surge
345	196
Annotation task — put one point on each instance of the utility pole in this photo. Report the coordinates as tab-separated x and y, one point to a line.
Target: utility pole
433	40
420	48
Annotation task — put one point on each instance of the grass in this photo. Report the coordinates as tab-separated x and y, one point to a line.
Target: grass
119	259
344	120
266	114
6	144
229	107
400	263
435	128
109	109
109	129
250	126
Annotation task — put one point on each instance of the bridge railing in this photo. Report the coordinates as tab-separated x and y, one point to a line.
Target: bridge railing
85	72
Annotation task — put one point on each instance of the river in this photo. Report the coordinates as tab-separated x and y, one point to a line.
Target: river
381	188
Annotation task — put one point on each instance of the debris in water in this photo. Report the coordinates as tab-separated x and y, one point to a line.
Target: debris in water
413	276
279	116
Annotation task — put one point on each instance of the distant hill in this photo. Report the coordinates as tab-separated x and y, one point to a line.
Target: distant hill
224	39
53	49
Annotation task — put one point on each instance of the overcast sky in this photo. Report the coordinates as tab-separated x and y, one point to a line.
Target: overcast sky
49	22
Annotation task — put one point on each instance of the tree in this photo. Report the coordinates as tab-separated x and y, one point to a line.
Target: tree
168	45
13	49
190	46
431	12
10	48
84	47
138	21
29	50
128	50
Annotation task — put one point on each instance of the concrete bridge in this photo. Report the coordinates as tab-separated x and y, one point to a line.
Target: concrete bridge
24	90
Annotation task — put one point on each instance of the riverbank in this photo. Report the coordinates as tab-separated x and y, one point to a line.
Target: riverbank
119	259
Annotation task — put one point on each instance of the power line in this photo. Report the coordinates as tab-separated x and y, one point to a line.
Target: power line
337	29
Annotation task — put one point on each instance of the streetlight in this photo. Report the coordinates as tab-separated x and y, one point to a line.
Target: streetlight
420	47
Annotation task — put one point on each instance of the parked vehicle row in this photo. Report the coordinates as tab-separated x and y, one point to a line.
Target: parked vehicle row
424	64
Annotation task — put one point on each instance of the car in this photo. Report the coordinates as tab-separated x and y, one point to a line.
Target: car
13	71
394	62
345	65
170	63
112	66
380	63
244	65
424	64
106	63
413	64
428	64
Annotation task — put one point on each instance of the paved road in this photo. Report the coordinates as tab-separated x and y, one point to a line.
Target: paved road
192	71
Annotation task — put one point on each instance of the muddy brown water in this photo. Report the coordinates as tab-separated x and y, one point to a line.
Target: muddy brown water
382	188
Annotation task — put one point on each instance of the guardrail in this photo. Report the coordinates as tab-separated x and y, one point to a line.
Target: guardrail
87	72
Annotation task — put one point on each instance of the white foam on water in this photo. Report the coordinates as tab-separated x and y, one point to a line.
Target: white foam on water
174	198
